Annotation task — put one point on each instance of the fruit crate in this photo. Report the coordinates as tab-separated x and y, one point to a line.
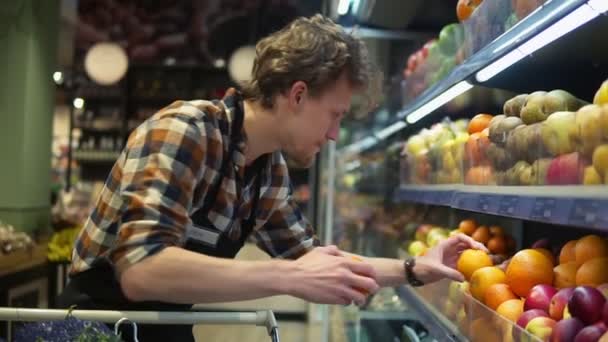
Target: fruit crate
467	316
21	258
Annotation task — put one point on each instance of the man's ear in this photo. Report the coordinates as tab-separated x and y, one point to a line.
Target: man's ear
297	93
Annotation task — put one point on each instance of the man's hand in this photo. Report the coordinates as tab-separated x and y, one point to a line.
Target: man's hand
440	261
325	276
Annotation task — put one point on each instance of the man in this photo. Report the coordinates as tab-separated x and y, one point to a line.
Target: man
199	177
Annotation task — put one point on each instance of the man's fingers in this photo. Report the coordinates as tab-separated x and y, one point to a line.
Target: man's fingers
451	273
361	268
467	240
366	284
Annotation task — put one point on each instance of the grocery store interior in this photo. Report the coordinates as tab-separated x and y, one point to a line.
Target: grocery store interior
492	122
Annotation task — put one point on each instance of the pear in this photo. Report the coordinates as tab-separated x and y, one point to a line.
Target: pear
569	101
499	157
589	128
560	133
540	105
499	132
539	170
532	111
513	106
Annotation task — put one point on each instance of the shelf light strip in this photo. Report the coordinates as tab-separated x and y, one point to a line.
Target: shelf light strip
499	66
573	20
531	27
599	5
445	97
390	130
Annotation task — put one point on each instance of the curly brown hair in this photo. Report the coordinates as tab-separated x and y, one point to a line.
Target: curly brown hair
314	50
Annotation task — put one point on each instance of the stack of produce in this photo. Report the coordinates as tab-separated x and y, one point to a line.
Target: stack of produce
555	294
435	155
493	237
61	244
12	241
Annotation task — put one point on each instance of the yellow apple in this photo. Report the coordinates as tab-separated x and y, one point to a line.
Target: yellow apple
601	97
600	159
591	176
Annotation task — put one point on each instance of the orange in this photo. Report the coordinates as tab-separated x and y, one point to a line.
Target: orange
471	260
464	8
483	278
511	309
482	331
528	268
497	245
481	234
496	230
593	272
547	253
467	227
590	247
498	294
565	275
479	122
567	252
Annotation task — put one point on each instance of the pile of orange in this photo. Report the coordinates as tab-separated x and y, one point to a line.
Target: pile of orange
582	262
493	237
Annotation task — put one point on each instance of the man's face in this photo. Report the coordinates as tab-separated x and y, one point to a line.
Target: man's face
317	120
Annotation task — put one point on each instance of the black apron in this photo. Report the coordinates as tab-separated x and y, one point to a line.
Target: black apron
98	288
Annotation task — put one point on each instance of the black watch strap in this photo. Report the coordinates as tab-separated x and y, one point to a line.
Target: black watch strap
408	266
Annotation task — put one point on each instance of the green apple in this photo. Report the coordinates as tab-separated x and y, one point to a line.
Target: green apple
416	248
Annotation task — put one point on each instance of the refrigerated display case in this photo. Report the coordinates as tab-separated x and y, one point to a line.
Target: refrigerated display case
531	176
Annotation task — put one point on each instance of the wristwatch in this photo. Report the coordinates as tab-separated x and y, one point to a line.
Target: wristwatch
408	266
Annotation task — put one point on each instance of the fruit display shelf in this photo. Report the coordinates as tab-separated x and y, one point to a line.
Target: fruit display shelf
581	206
528	38
430	316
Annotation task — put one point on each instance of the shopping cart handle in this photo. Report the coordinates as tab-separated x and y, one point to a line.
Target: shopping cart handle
260	318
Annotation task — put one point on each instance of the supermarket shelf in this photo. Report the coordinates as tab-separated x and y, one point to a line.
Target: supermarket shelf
567	205
435	321
96	156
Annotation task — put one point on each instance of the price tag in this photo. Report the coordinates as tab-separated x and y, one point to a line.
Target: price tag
507	205
586	212
544	208
483	203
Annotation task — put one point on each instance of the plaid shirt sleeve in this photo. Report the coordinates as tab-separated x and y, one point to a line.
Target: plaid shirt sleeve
161	166
287	233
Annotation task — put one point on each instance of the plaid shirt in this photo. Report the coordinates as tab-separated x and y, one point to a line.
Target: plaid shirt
162	177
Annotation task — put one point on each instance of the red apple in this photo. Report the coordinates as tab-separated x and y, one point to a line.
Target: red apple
540	297
565	330
591	333
605	313
559	302
524	319
586	304
542	243
541	327
566	169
